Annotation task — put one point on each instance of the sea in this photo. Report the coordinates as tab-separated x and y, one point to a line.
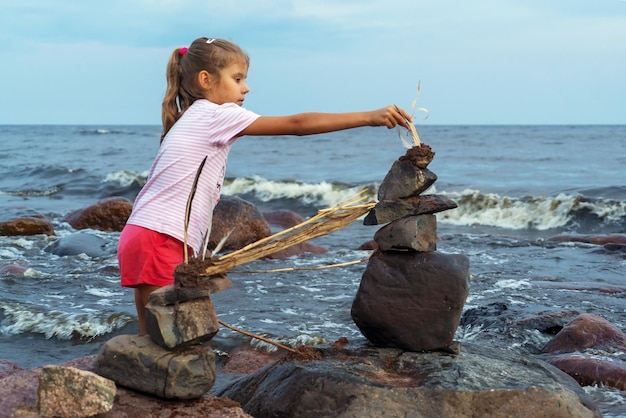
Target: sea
515	186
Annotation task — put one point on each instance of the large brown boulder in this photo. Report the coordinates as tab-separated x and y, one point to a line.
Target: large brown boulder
26	225
249	225
587	331
108	214
242	219
588	370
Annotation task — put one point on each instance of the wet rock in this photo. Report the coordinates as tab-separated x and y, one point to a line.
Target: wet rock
138	363
588	370
27	225
298	249
405	180
283	218
545	322
368	246
184	323
587	331
79	243
70	392
418	233
368	382
597	239
390	210
250	225
411	300
483	316
17	267
242	218
108	214
615	247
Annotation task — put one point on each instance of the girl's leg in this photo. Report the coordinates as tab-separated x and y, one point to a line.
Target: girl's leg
142	296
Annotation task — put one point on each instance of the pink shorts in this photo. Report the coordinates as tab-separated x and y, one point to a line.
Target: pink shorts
148	257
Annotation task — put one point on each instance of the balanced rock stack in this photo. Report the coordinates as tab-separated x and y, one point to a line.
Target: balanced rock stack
169	362
410	296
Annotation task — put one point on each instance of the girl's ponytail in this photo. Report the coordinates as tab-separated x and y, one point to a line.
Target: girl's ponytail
170	111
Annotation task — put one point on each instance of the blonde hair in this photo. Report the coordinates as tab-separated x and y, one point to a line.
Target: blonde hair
182	90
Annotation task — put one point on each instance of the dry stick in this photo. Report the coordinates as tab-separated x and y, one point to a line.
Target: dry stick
258	337
320	214
416	138
192	193
328	266
333	222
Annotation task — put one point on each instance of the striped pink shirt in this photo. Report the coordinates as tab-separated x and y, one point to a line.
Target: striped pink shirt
205	129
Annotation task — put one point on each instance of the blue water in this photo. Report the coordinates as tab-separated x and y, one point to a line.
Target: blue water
515	186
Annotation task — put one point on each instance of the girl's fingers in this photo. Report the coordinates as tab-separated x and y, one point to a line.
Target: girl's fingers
401	117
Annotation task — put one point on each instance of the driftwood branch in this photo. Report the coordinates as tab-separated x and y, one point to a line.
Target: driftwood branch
325	222
258	337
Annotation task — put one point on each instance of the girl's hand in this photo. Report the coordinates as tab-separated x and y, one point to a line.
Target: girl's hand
390	116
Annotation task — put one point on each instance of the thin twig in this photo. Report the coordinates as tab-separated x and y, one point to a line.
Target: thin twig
328	266
258	337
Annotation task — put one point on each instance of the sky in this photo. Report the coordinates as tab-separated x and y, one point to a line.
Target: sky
477	62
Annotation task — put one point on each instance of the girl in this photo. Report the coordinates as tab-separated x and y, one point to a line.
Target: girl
202	116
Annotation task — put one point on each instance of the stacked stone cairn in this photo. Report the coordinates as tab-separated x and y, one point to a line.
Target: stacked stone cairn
411	296
170	362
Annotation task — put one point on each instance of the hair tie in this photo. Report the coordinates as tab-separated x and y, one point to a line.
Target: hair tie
183	51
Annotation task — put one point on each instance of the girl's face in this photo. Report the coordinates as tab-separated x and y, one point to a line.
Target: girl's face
231	87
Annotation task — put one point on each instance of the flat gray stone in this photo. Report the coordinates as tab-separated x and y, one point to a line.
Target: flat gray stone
189	322
140	364
390	210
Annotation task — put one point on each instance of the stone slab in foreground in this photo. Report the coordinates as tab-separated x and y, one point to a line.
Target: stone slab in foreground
138	363
70	392
375	382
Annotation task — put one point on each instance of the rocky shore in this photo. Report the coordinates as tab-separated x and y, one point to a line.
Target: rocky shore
345	381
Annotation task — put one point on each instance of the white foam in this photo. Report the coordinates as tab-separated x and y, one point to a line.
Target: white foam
125	177
322	193
102	293
56	324
477	208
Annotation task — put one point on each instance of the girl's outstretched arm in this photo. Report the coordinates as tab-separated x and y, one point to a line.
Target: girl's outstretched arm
317	123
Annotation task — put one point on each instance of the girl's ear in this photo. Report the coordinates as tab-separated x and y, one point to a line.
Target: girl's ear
204	79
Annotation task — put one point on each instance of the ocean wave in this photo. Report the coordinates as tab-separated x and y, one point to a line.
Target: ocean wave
47	192
126	178
531	212
475	208
313	194
18	319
